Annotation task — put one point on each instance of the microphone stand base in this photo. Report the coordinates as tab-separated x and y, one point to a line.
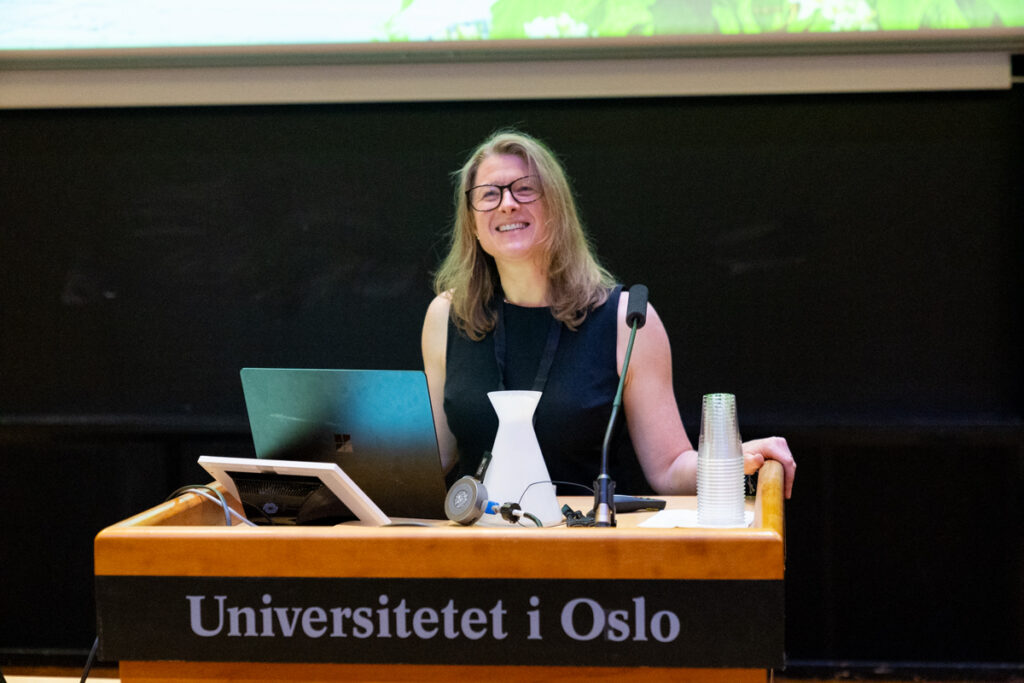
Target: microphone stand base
604	497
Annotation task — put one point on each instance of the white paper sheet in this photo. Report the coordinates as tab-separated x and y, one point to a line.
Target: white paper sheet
670	519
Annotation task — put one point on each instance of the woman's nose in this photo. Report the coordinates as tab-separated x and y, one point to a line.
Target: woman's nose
508	200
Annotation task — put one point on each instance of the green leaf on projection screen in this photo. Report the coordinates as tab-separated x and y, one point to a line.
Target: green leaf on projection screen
911	15
87	24
512	19
1010	11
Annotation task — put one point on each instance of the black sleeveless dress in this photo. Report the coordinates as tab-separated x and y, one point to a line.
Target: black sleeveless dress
572	416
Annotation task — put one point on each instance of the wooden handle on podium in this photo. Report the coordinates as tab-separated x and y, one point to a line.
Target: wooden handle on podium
187	509
768	502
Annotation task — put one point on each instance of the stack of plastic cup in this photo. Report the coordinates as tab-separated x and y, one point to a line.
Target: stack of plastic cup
720	493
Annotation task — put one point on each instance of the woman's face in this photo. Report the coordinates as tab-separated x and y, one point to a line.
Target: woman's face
513	231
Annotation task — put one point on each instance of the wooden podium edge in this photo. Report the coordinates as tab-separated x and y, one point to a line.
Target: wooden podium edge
769	509
177	672
187	537
193	541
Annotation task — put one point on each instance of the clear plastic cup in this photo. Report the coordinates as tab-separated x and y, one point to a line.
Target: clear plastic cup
720	492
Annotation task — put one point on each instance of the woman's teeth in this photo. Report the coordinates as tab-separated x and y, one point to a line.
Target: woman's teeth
511	226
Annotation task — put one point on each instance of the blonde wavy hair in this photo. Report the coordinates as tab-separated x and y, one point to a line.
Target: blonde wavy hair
576	281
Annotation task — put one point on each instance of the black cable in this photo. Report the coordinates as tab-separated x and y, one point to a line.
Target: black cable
576	517
534	518
254	511
586	488
89	661
178	492
560	483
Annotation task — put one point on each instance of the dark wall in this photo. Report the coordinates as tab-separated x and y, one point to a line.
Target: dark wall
849	266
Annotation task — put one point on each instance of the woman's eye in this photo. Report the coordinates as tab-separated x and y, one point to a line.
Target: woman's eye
526	189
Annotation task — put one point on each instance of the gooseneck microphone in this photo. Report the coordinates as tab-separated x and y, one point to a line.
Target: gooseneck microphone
604	486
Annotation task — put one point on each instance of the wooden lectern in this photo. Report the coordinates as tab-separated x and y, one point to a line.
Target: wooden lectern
182	597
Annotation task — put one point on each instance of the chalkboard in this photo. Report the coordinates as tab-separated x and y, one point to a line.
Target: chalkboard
828	258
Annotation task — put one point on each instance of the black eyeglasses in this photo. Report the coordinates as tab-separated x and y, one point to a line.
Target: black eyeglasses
524	190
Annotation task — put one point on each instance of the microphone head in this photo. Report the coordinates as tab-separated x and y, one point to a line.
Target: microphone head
636	308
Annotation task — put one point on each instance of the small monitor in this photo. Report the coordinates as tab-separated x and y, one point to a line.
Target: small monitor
281	492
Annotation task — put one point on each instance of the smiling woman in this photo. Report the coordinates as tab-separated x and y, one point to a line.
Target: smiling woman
522	303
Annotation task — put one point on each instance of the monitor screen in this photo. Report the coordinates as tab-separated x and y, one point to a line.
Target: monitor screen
283	499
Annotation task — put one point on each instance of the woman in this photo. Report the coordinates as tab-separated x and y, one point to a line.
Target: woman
522	303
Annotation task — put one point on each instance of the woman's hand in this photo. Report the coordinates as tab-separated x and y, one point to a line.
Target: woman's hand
773	448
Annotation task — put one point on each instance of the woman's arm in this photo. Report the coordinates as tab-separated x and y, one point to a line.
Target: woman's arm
664	450
434	341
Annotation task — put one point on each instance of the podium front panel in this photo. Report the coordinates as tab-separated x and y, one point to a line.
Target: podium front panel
171	587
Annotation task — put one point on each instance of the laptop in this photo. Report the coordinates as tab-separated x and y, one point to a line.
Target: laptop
376	426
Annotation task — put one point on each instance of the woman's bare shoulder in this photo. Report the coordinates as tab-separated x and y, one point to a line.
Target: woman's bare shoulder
440	306
435	323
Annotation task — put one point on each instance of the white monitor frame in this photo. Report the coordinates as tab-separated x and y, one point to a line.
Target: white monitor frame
332	476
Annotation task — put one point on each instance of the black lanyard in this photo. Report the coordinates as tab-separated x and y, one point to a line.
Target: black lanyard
554	332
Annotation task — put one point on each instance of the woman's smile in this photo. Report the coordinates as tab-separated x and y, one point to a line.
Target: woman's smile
512	226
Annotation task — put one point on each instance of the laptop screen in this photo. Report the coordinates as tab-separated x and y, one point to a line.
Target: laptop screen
376	425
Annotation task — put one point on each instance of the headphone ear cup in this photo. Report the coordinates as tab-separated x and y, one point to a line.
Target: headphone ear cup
465	501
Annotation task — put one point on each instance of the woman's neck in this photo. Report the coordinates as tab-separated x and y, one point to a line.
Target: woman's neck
524	284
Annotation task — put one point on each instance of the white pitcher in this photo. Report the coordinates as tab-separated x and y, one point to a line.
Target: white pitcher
516	461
